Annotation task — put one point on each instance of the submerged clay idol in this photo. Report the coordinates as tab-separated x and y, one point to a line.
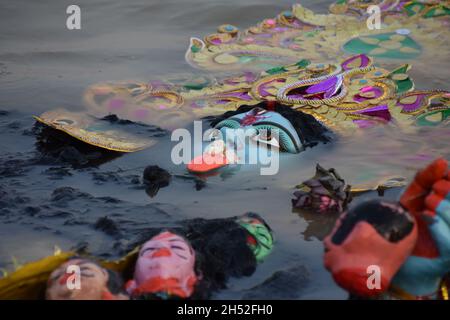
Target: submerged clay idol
410	250
164	268
374	234
94	282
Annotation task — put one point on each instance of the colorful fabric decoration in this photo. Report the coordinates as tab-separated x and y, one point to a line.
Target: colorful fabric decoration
307	63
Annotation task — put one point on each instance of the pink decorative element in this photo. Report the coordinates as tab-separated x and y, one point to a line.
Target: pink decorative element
141	113
378	93
116	104
363	124
271	22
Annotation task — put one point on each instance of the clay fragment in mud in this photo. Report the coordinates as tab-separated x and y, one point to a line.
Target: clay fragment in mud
283	284
155	178
107	225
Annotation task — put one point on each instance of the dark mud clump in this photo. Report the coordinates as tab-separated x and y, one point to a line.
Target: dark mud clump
155	178
285	284
107	225
55	147
154	130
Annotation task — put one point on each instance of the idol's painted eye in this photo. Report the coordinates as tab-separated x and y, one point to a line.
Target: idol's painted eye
266	136
178	251
57	276
87	272
149	249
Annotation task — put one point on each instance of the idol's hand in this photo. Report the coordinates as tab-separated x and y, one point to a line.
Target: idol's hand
438	209
414	200
421	274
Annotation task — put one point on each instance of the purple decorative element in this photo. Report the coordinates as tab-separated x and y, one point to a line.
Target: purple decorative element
249	77
338	85
378	111
263	92
115	104
323	86
376	90
330	86
265	35
411	107
280	29
216	41
196	105
364	62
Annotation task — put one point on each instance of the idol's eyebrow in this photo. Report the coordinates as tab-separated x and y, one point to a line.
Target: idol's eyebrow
83	264
173	240
147	249
85	268
264	236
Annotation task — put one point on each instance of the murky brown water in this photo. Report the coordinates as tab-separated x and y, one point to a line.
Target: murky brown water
44	66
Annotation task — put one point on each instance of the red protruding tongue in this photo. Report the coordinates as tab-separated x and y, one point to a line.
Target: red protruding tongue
251	240
207	162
